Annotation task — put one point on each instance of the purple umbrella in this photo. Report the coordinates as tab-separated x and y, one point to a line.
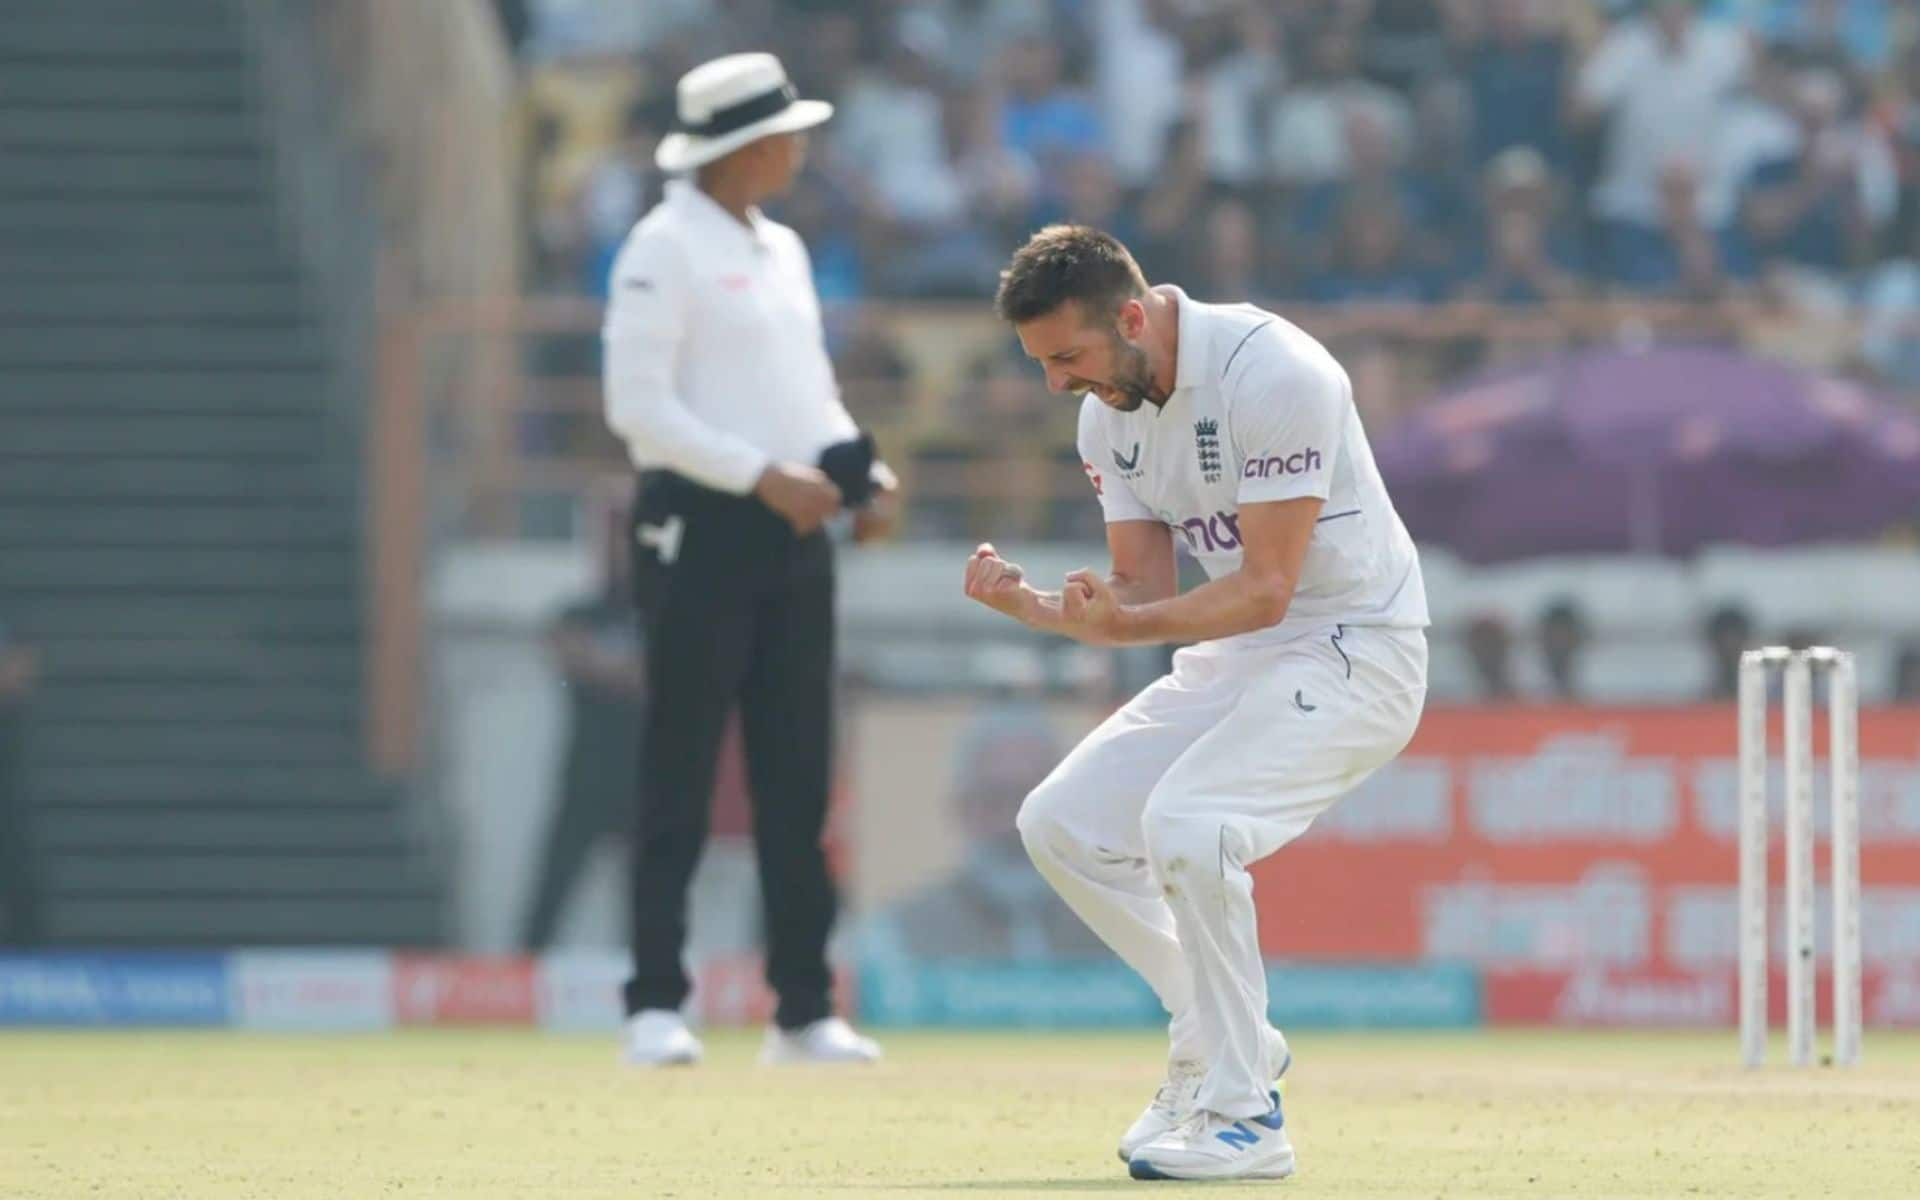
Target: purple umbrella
1663	451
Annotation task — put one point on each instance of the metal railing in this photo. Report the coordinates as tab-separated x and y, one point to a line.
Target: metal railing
515	447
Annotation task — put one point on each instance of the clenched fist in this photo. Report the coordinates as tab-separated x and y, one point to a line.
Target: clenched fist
996	583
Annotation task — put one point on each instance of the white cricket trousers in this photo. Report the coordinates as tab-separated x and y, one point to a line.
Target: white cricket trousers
1148	827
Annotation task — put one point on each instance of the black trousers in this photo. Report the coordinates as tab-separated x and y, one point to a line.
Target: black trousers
742	614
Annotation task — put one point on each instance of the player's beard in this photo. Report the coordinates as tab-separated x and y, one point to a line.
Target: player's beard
1132	376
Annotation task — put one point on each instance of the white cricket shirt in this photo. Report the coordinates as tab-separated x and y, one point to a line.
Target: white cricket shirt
1260	411
716	360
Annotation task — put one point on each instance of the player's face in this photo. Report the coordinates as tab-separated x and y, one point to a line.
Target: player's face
1089	356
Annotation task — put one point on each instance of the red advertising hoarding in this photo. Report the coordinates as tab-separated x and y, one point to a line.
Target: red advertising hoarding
1584	858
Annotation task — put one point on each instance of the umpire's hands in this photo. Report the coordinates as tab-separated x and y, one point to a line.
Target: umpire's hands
803	496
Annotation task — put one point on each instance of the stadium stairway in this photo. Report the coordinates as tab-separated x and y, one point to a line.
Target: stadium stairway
179	512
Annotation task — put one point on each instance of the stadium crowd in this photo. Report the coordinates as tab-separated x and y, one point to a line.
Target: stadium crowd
1430	186
1332	151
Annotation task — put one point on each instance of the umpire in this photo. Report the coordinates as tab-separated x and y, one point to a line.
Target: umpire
718	380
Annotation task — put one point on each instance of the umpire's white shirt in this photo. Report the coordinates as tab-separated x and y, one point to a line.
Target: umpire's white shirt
716	361
1260	411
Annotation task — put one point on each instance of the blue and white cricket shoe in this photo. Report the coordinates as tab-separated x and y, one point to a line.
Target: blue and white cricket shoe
1209	1146
1173	1103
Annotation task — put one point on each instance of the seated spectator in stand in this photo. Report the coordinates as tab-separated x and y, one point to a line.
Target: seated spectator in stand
1684	258
1850	35
823	211
20	909
892	125
1002	184
1525	258
621	187
1372	261
1490	649
1089	194
1431	210
1563	635
874	373
1658	86
890	142
1307	136
1516	78
1818	208
1163	213
1041	116
1230	256
1230	93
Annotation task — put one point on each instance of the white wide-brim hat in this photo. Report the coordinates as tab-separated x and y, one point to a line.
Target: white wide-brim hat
729	102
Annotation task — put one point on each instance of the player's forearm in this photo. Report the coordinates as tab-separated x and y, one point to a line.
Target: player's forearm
1139	591
1240	603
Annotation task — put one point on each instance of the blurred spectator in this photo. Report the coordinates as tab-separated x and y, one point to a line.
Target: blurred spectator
1820	205
1165	210
970	33
1729	634
829	48
826	217
892	123
1684	258
1516	78
1372	260
1090	194
1041	116
1563	636
995	905
618	189
20	918
1232	92
873	370
1139	76
1490	647
1425	202
1230	255
1308	134
1906	675
1660	84
595	643
1001	184
1406	43
1524	257
1844	34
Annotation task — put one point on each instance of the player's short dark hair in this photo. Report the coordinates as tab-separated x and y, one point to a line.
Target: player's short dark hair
1068	262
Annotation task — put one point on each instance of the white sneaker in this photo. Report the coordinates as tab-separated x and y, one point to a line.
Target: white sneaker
1209	1146
658	1037
829	1040
1173	1103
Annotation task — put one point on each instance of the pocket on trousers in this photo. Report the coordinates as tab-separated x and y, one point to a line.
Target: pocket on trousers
659	538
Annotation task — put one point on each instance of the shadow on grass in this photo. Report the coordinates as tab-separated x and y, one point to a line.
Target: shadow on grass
1088	1186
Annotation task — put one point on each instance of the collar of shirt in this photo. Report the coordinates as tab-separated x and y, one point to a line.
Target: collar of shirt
686	196
1190	355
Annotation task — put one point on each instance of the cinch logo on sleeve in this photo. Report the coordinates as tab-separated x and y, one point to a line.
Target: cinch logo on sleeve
1298	463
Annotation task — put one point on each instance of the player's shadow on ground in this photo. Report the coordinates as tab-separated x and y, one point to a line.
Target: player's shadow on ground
1094	1186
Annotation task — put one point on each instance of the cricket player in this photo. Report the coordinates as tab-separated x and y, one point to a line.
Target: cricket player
1232	432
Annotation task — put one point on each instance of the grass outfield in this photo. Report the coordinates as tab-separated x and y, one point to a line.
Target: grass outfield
479	1115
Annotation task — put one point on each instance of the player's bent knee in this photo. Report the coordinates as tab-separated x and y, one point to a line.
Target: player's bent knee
1039	821
1175	837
